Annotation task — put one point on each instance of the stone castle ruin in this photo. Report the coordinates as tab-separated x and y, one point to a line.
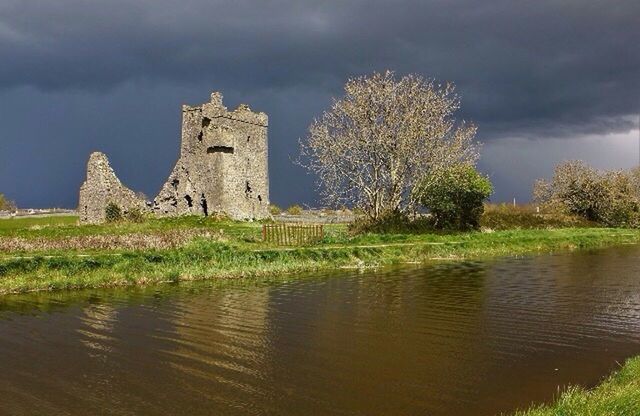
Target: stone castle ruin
103	187
222	169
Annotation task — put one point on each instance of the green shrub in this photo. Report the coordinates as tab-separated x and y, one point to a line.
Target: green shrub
609	198
113	212
454	196
393	222
294	210
135	215
274	209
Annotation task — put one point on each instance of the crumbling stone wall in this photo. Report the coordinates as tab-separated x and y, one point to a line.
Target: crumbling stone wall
102	187
222	166
222	169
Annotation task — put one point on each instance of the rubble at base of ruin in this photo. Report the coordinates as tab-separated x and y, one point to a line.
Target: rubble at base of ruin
101	188
222	169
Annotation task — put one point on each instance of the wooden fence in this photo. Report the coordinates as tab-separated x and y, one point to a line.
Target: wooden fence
292	234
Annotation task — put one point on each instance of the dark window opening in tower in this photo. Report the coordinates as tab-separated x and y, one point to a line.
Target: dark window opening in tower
247	188
220	149
189	200
200	136
203	204
205	122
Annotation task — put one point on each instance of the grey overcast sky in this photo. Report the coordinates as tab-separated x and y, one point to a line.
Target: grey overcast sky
544	81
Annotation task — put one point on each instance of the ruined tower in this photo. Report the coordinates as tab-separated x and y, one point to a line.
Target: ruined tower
222	166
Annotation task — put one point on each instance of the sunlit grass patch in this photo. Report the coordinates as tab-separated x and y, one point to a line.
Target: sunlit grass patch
26	223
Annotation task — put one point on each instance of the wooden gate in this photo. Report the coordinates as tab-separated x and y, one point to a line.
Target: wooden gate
292	234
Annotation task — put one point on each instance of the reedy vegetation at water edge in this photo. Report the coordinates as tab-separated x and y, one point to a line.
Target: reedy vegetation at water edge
618	395
225	249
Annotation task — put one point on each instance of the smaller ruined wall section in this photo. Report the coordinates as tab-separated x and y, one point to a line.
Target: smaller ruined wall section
103	187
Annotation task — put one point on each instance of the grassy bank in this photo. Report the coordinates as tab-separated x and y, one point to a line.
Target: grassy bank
62	255
24	223
619	395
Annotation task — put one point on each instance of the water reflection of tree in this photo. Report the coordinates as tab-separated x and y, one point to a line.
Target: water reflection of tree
561	319
379	343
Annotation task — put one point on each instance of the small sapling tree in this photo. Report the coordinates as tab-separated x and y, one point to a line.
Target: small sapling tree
7	204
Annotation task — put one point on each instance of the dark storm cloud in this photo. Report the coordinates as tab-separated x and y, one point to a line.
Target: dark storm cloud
82	75
521	66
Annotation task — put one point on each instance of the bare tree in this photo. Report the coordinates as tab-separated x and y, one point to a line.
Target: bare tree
608	197
576	187
7	204
377	141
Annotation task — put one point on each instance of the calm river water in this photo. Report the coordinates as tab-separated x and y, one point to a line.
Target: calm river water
475	338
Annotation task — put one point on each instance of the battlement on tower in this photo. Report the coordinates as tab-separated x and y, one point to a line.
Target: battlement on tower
216	109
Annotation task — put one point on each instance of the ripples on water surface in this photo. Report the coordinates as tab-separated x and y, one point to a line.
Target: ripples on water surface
452	339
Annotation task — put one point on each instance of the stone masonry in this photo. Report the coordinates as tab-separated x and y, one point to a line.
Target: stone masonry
223	164
222	169
103	187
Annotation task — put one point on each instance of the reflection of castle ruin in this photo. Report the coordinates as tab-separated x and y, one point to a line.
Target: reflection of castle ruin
222	169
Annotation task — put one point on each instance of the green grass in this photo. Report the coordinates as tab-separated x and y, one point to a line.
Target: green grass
59	227
11	225
58	254
619	395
